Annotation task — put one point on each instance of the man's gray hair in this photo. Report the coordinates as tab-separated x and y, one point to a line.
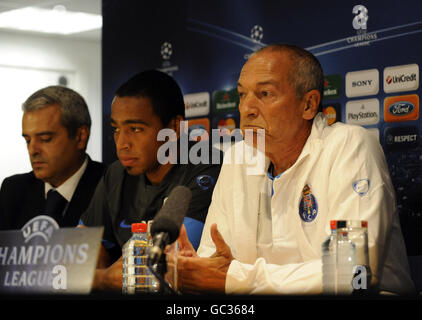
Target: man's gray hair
74	110
306	73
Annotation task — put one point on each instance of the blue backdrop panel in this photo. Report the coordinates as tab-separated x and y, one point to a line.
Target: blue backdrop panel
372	74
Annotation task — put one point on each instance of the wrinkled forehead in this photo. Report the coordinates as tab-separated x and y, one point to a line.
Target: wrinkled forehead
266	65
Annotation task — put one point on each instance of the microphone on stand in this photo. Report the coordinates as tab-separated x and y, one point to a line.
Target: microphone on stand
166	225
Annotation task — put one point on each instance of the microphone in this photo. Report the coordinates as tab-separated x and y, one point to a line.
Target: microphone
166	225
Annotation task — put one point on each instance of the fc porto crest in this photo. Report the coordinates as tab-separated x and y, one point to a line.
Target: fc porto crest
205	181
308	207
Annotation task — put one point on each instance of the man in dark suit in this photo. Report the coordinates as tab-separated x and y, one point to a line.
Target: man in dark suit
56	126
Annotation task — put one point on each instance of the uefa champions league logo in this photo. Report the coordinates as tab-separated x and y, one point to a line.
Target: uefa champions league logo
257	33
360	25
361	17
166	50
41	226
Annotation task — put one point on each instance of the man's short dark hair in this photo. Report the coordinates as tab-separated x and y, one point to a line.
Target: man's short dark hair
74	110
161	89
306	73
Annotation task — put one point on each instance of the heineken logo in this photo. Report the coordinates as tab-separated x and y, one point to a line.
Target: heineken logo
332	86
225	100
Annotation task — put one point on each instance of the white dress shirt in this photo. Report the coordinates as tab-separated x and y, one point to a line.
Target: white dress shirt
67	188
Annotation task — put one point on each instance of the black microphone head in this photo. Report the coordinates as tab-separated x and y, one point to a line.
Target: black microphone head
170	218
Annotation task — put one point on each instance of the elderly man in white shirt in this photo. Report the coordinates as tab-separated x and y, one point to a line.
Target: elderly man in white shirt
258	238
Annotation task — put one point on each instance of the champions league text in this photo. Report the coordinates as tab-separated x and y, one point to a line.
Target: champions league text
56	255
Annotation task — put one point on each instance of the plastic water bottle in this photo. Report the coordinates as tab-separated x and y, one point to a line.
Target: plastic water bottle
154	282
358	233
346	256
329	260
136	275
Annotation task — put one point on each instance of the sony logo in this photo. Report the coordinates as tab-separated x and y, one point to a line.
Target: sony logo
361	83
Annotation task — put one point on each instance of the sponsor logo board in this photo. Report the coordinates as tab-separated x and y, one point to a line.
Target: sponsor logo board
363	112
199	129
401	108
362	83
401	78
332	112
332	86
225	100
226	123
197	104
401	138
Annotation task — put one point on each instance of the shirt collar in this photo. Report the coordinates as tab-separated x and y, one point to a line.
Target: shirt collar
269	172
256	162
314	139
67	188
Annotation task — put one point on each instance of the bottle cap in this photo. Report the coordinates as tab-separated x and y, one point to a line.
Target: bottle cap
350	224
139	227
333	224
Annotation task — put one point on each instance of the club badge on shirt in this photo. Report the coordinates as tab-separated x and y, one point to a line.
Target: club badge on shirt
205	181
361	186
308	207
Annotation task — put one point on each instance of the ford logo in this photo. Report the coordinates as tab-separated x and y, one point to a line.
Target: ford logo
401	108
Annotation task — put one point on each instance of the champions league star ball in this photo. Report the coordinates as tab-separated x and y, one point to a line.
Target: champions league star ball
166	50
257	33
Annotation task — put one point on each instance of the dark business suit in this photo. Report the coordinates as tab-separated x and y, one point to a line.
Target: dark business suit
22	197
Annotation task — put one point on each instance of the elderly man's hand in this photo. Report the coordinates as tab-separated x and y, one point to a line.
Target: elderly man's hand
196	274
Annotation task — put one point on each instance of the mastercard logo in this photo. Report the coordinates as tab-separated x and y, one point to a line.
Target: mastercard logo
199	129
226	124
331	114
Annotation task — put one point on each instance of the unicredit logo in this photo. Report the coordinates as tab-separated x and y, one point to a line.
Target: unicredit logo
197	104
401	78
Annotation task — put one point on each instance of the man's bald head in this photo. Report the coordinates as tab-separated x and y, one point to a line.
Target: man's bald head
305	73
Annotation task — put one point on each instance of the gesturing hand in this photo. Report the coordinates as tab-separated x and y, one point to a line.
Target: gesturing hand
197	274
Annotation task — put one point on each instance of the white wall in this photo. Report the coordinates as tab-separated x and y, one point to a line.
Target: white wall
29	62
